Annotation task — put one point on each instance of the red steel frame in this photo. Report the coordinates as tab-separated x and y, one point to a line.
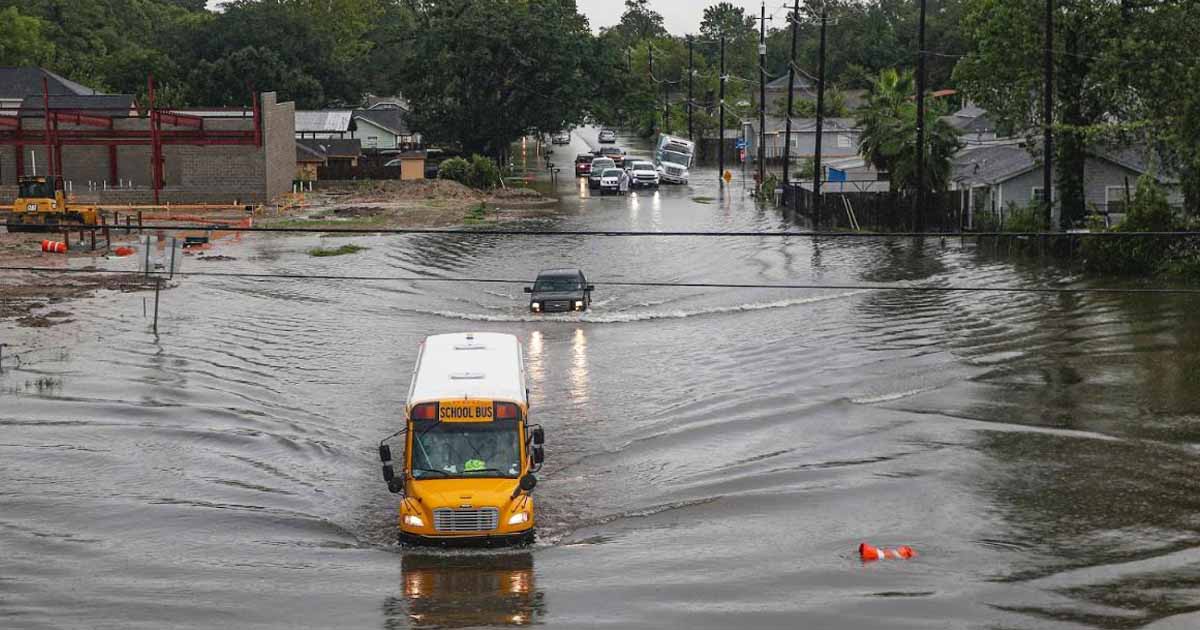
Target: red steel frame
188	130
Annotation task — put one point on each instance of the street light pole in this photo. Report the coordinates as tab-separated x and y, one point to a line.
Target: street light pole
919	210
787	140
818	176
762	95
691	75
1048	120
721	122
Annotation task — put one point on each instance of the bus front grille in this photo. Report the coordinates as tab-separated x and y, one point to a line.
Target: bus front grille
480	520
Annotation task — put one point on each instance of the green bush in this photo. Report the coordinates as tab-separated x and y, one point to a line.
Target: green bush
1023	219
455	169
1148	212
483	173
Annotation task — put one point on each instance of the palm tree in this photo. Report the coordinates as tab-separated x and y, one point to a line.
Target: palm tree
888	138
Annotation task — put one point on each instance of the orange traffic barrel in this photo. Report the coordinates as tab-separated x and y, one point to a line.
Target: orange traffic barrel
871	554
54	247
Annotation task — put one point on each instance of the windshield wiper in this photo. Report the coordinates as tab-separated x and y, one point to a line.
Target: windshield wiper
476	470
430	470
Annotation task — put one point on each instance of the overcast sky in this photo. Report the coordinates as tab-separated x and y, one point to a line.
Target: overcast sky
680	16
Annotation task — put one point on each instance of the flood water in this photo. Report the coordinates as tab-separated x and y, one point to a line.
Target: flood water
714	457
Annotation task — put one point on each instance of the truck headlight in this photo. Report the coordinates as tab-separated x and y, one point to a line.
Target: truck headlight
536	306
412	520
518	518
579	305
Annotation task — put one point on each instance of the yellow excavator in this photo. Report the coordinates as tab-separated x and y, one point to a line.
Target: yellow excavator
42	206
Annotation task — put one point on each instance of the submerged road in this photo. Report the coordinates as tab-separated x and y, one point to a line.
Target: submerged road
714	455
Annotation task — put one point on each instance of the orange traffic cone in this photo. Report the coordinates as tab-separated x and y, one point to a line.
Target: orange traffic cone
54	247
871	554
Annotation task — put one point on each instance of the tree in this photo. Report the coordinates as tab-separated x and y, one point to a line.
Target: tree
482	74
21	40
638	23
889	134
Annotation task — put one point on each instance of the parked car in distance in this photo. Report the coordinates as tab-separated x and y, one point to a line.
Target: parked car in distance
599	165
607	136
642	174
615	154
560	291
562	137
610	180
583	164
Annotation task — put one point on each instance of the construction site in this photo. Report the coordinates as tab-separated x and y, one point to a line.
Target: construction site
114	154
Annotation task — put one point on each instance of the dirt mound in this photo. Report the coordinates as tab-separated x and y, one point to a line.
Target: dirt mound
417	189
517	193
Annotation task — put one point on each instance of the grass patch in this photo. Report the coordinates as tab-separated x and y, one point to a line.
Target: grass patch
322	252
477	215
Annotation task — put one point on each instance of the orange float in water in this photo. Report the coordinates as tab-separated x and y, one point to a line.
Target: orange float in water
123	251
871	554
54	247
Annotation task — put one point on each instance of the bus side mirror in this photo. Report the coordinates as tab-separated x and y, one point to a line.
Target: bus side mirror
389	473
591	287
529	289
539	455
539	436
385	453
396	486
528	483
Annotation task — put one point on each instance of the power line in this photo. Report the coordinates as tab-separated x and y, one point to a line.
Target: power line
633	233
627	283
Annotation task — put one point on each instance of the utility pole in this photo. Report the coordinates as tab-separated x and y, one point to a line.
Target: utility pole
818	175
691	75
787	140
666	107
1048	120
762	95
721	122
919	209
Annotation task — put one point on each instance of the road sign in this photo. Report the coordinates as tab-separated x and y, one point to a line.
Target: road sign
741	143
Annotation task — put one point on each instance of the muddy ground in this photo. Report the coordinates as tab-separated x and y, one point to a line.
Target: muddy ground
40	300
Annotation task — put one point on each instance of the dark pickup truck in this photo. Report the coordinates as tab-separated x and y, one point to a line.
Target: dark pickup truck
560	291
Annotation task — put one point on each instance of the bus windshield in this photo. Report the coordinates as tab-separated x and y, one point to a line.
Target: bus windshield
465	449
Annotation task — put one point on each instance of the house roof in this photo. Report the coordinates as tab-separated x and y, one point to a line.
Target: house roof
992	164
808	125
324	121
332	147
309	155
103	105
19	82
971	119
390	119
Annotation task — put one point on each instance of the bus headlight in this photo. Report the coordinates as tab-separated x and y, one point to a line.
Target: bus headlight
579	305
412	520
518	518
536	306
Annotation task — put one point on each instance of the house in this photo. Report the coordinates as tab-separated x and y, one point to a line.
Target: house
308	161
995	178
381	129
16	83
341	156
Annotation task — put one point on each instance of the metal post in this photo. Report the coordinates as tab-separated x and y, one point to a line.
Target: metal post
691	75
721	122
762	96
919	210
157	288
174	242
1048	119
787	140
818	176
147	273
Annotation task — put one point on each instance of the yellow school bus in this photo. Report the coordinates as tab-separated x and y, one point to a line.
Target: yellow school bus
466	472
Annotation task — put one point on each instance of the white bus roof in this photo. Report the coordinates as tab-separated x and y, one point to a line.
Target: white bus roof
484	366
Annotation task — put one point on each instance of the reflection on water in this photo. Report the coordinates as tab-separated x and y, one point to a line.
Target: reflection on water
579	368
464	591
